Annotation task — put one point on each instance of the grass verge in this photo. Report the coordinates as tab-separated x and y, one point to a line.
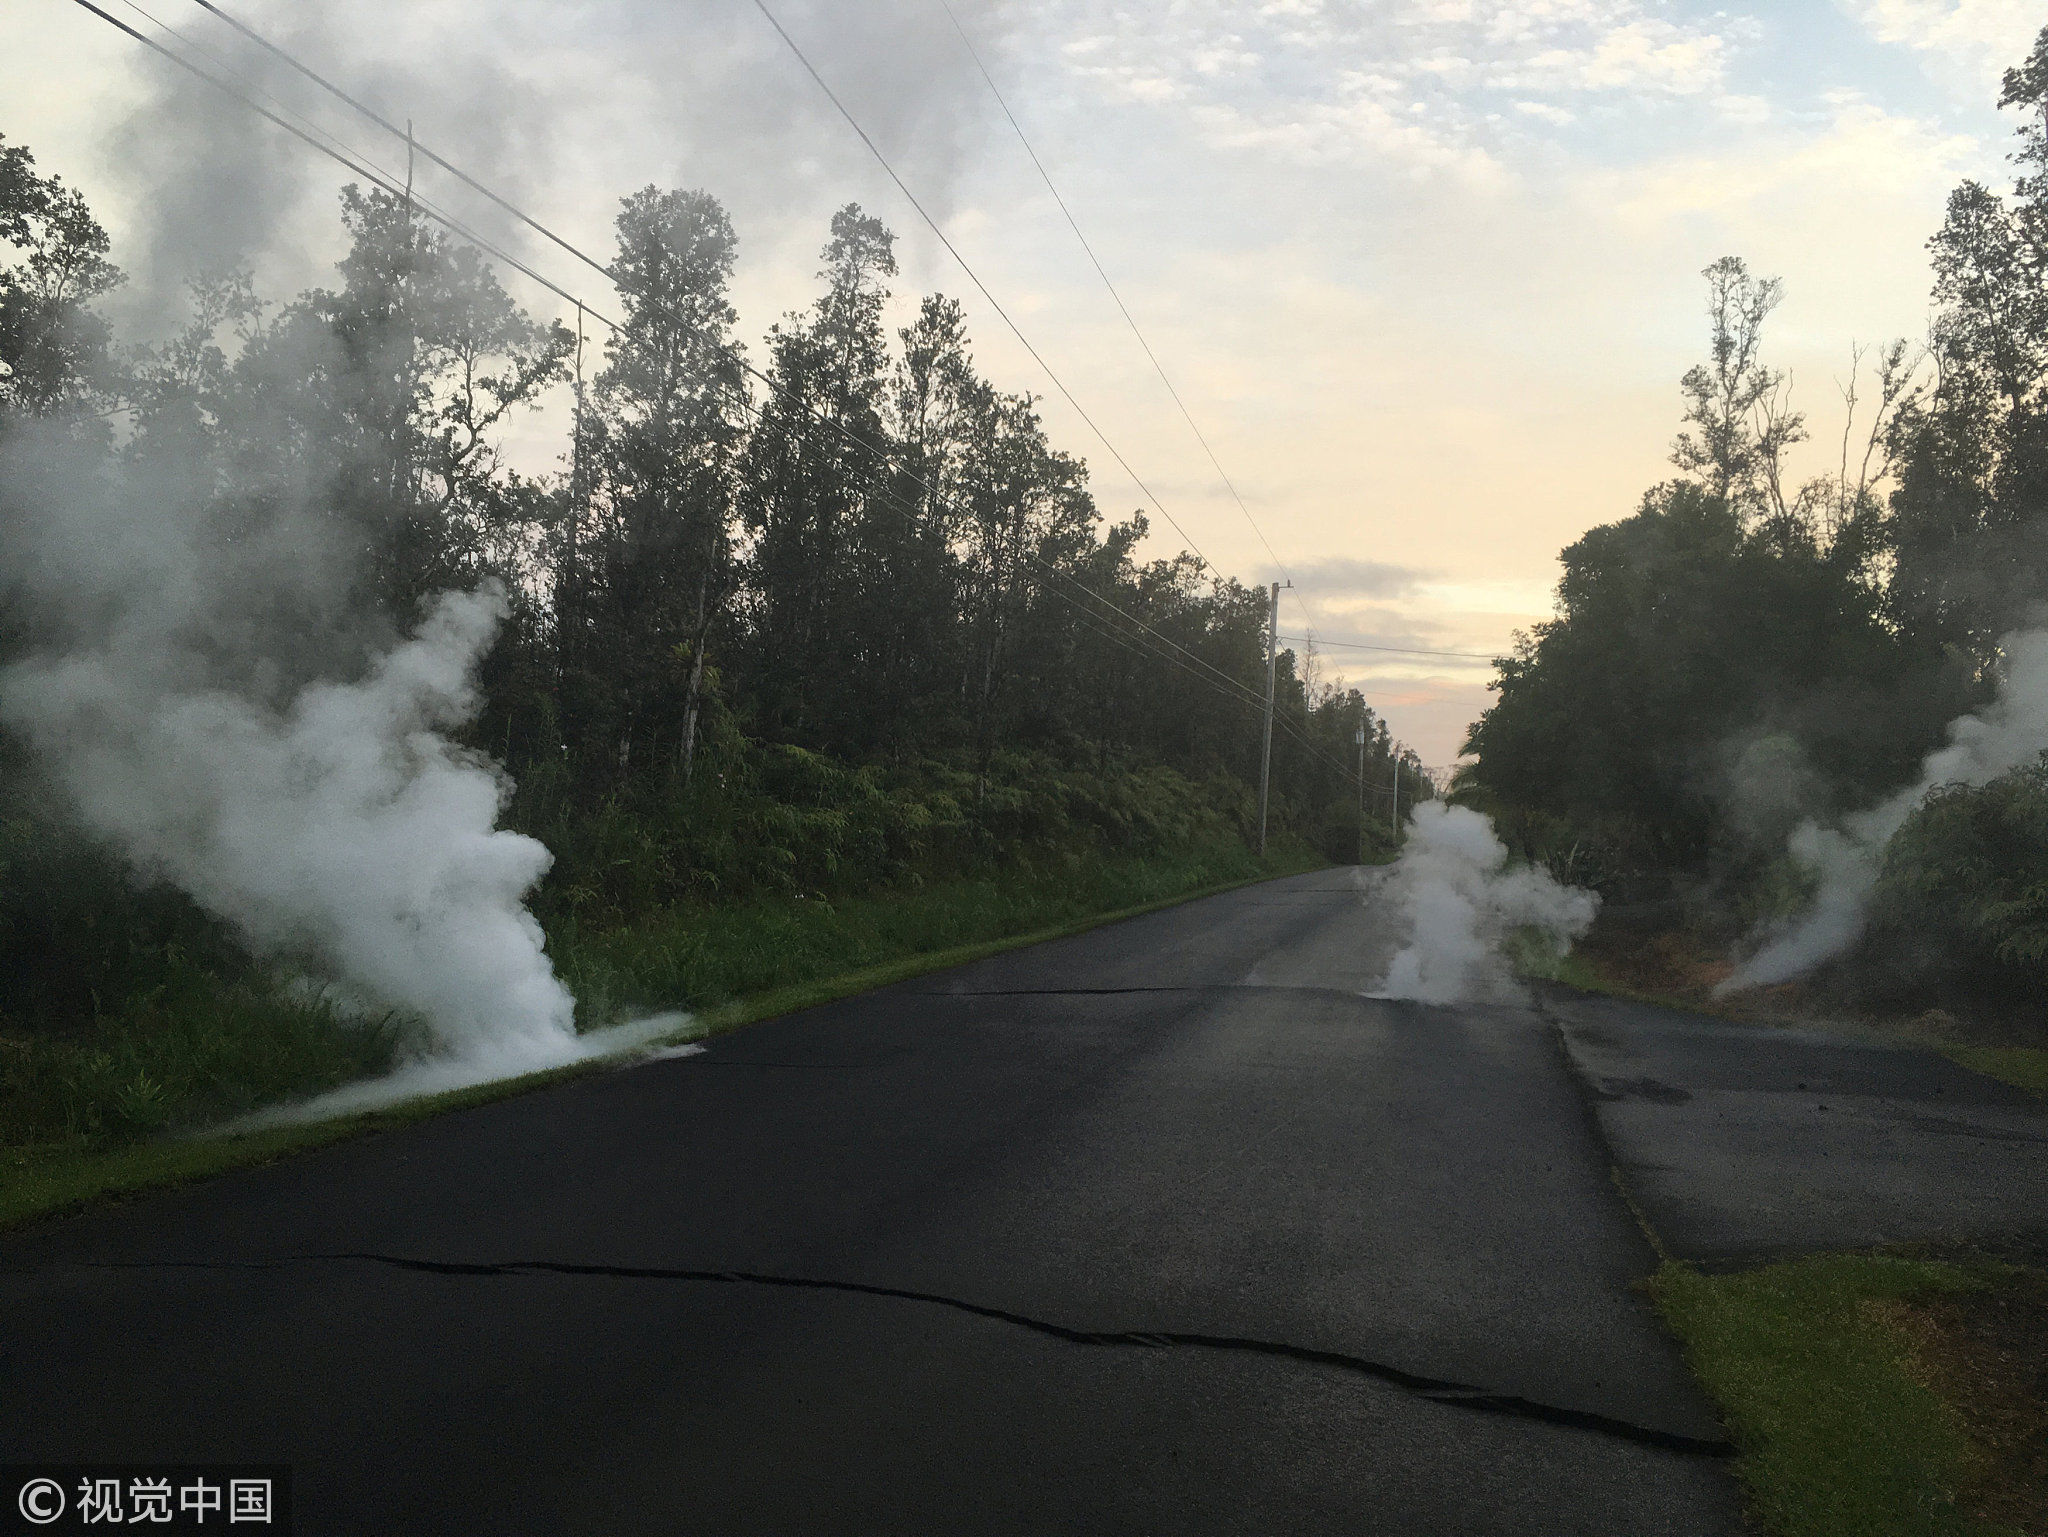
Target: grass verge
1838	1434
702	957
1877	1395
733	967
2024	1067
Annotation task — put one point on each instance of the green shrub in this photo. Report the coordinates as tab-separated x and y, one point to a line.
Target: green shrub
1964	891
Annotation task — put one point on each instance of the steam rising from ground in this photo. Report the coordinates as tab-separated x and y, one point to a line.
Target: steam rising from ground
346	826
1848	859
1462	904
344	830
214	706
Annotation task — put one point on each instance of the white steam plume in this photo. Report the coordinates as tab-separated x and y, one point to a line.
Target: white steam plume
345	830
201	677
1462	903
1847	860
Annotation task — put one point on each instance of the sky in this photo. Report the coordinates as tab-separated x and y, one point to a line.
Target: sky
1425	272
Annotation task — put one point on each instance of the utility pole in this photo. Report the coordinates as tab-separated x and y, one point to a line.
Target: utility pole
1361	785
1397	795
1266	752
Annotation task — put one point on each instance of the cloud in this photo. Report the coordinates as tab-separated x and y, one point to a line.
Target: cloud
1861	152
1357	129
1344	577
1425	87
1982	35
1745	111
550	105
1639	56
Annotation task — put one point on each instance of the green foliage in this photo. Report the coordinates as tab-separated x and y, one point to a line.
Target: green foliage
131	1013
765	819
839	672
186	1050
1964	892
1734	659
43	1181
700	956
1969	522
1700	686
53	347
1837	1437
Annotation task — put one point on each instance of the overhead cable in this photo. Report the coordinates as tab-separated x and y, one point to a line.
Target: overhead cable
975	278
1358	645
1122	308
592	262
353	161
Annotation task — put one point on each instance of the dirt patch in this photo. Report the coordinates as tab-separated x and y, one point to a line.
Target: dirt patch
1675	964
1985	1355
1672	962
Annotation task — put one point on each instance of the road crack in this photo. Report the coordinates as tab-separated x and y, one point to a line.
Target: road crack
1441	1390
1119	992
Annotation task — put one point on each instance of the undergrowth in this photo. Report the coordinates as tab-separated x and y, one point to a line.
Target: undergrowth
699	955
131	1017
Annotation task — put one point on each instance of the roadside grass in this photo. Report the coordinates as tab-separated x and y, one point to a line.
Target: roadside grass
1834	1408
2024	1067
702	956
112	1111
191	1048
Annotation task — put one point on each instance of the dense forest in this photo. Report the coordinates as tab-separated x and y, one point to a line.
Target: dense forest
831	621
1741	655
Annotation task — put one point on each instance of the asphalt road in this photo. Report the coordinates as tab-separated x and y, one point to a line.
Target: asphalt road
1161	1228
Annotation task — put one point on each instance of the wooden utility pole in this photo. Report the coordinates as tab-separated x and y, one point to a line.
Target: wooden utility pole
1397	795
1266	752
1361	785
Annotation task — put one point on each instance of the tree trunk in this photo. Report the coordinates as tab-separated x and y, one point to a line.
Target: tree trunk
693	691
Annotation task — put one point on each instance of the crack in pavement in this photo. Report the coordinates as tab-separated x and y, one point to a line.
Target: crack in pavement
1115	992
1435	1389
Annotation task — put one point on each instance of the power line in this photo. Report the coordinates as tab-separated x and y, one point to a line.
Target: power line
228	65
1355	645
680	320
975	278
425	152
595	265
1122	308
605	271
352	160
344	156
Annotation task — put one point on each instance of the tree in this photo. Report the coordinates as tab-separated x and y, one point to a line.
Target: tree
1739	415
1969	520
1700	685
387	393
819	456
53	345
660	456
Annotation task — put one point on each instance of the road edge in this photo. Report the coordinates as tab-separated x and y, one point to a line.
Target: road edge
1817	1386
69	1187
